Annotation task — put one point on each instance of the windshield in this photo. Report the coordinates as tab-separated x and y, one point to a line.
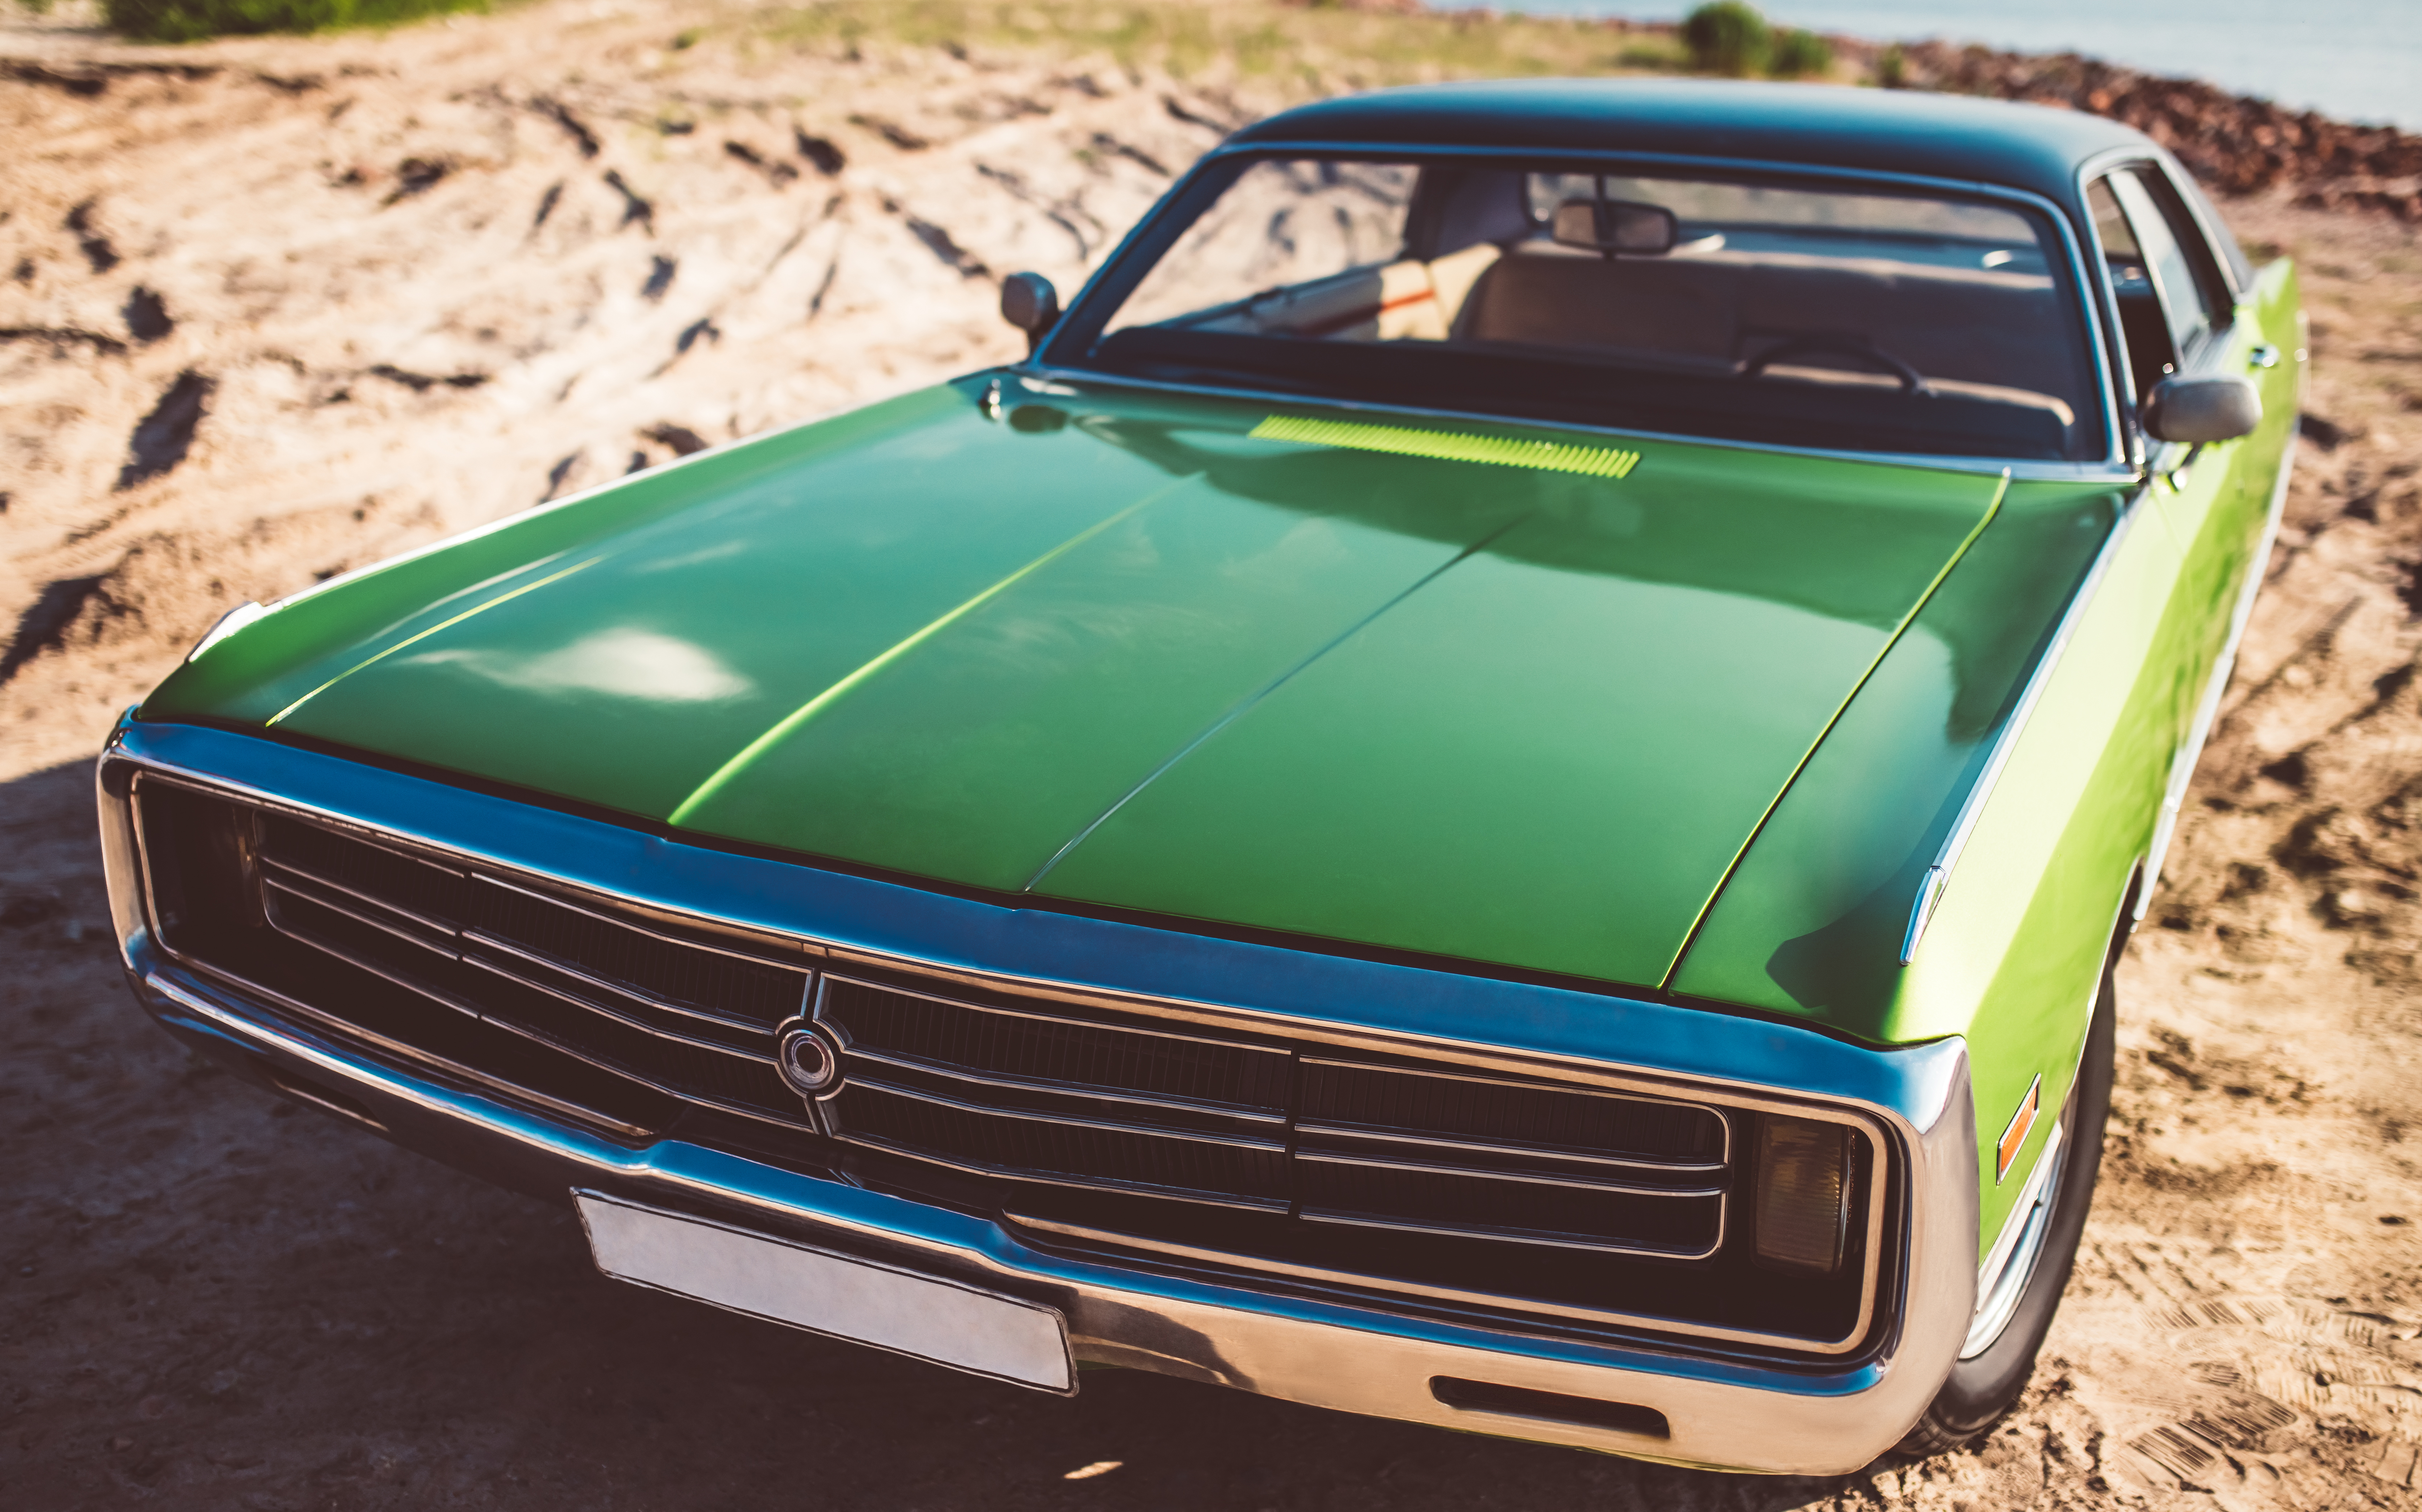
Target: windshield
1866	321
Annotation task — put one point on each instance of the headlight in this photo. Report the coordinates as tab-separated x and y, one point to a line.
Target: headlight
1804	1194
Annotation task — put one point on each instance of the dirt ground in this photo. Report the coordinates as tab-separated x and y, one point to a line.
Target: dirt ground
270	309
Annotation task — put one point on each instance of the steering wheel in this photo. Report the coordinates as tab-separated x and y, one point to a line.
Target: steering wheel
1912	381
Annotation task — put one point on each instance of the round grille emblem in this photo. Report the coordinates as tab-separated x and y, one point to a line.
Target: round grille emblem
806	1061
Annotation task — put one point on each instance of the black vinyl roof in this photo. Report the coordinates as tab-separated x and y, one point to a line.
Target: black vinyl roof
2035	148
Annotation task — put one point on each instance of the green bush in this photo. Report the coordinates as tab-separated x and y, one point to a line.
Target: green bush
1892	69
186	21
1727	37
1797	54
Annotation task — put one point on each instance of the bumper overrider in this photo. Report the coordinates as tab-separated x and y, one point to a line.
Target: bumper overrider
1639	1378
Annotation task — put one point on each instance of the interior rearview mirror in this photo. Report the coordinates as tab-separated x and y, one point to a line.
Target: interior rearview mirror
1028	302
2213	407
1614	226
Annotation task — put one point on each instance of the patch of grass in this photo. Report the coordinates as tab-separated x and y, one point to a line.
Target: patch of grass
187	20
1799	54
1728	36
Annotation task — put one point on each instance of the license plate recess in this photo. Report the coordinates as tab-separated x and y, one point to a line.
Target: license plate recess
947	1322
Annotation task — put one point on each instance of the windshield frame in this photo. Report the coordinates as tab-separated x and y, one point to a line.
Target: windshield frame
1067	350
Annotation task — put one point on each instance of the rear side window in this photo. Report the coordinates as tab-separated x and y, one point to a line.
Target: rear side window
2170	297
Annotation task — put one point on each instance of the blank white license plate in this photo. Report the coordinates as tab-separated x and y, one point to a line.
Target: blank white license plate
772	1279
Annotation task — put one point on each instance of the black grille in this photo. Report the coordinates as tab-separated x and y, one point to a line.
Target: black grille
686	1017
1080	1120
1139	1108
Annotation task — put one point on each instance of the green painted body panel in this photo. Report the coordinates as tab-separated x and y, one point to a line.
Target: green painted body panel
1566	738
1119	649
1811	923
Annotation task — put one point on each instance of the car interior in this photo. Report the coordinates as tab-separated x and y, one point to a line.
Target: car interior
1847	296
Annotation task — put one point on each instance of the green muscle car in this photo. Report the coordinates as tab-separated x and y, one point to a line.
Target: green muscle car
1498	787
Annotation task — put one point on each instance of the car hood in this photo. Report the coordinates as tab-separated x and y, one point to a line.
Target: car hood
1479	690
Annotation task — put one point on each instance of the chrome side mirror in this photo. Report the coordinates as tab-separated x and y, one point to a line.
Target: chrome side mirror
2216	407
1614	226
1028	302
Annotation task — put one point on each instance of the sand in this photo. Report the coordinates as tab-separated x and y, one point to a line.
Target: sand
273	308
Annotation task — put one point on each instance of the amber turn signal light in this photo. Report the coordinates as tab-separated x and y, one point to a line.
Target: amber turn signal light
1804	1194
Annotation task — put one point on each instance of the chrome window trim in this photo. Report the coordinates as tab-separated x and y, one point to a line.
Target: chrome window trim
1044	362
2025	469
1911	1103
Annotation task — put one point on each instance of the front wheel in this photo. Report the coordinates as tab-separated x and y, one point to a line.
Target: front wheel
2000	1353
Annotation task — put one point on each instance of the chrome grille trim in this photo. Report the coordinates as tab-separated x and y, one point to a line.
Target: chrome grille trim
1767	1084
274	887
1055	1089
1032	1115
1488	1173
489	942
1307	1130
1495	1236
1360	1283
670	1036
363	963
305	874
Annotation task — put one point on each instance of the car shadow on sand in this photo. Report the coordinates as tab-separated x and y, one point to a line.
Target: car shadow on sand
220	1300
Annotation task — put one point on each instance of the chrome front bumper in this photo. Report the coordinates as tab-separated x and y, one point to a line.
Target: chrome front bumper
1724	1411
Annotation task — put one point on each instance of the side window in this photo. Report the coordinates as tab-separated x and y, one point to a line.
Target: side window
2169	297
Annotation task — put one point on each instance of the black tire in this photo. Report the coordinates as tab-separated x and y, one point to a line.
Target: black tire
1980	1391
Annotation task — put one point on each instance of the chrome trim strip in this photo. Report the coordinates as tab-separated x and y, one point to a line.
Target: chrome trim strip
651	1031
1142	1032
1242	1202
1971	808
383	972
1519	1086
1027	1115
1343	1218
268	862
486	942
774	962
603	1010
1527	1178
1515	1152
2002	1279
1060	1089
1913	1102
492	1085
2080	270
1356	1281
273	887
2030	469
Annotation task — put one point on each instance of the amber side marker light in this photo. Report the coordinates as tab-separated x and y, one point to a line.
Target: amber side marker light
1804	1194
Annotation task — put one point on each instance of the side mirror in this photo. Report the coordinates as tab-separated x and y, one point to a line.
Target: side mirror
1614	226
1028	302
2219	407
